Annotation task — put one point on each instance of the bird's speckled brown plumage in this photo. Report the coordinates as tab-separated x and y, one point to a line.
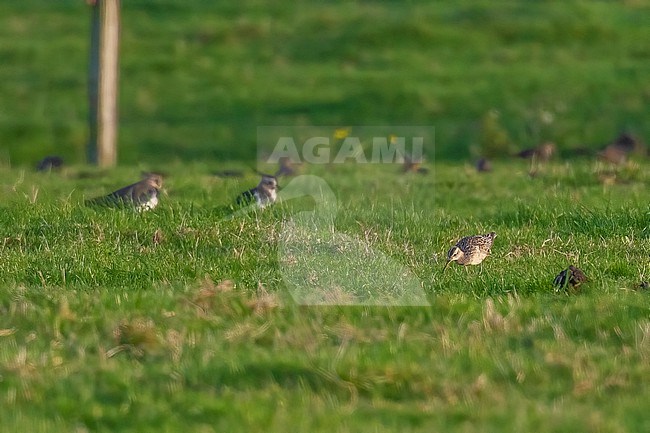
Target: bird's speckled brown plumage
471	250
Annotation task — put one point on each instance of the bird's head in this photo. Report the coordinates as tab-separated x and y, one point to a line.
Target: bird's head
269	183
153	180
453	255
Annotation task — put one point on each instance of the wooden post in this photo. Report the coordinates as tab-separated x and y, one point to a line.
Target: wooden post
103	82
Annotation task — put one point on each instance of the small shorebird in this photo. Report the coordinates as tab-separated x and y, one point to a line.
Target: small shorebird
264	194
616	153
629	143
541	153
50	163
413	165
613	154
286	167
410	163
141	195
538	156
483	165
471	250
570	277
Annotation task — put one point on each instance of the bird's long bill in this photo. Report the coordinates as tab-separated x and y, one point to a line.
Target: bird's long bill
446	264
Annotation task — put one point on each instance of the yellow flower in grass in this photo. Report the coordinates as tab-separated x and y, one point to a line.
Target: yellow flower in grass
341	133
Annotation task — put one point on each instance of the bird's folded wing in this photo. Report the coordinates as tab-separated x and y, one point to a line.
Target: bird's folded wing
246	197
115	198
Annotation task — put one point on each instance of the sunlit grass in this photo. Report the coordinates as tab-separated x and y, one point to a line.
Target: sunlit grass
184	319
178	318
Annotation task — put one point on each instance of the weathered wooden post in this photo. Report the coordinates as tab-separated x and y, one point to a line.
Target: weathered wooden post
103	82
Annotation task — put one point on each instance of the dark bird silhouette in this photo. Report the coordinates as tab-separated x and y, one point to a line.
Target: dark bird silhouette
483	165
50	163
570	277
629	143
142	196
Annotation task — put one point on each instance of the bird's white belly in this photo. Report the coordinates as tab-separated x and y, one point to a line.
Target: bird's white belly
476	258
149	204
263	200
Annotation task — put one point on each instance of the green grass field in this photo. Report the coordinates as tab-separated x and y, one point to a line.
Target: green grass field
199	76
184	318
107	326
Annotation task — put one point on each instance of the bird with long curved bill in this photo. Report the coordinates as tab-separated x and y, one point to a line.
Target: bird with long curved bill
471	250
